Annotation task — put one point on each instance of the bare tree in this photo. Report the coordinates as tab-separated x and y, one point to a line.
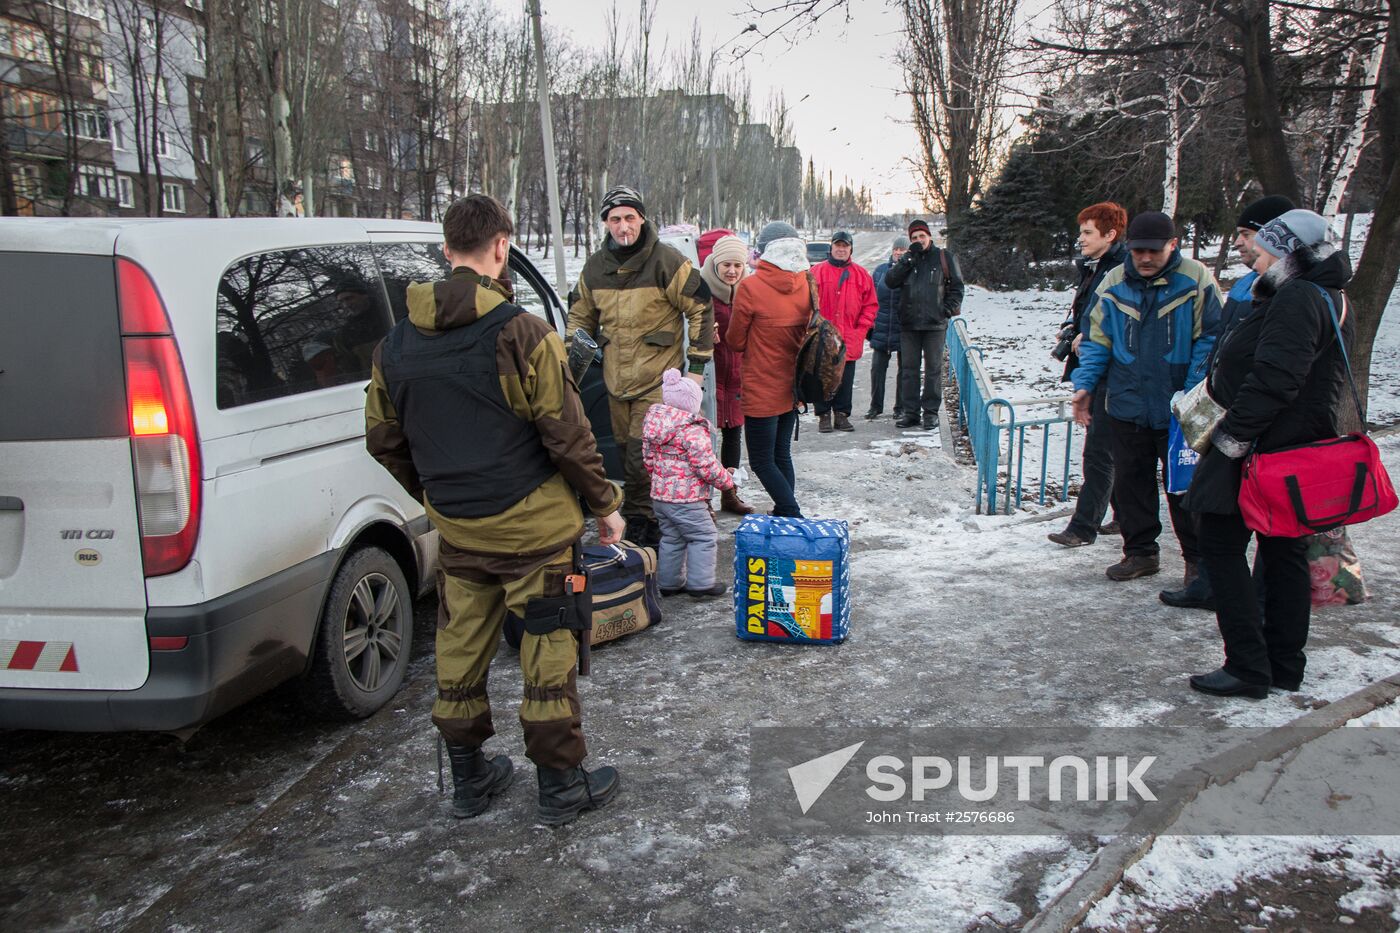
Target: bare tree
142	34
1376	271
295	52
1152	66
955	65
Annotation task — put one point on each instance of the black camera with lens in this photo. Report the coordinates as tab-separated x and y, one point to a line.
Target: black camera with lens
1065	344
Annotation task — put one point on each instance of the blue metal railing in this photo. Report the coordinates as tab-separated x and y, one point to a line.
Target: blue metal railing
996	428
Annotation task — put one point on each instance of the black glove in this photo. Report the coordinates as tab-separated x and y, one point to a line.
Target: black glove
916	247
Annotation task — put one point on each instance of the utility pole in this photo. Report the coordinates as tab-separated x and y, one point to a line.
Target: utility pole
551	172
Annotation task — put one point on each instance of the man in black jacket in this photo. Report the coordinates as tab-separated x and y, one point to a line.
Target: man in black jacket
1101	229
931	293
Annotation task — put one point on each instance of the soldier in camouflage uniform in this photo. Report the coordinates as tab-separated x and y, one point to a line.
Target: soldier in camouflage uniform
638	298
472	409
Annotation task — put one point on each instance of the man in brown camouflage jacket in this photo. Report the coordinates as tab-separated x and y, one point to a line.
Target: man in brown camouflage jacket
650	311
472	408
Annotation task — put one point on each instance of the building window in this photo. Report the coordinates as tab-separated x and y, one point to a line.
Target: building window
97	181
92	9
23	41
124	198
29	181
371	141
163	147
204	148
118	134
90	124
201	49
367	101
172	199
113	83
374	178
35	110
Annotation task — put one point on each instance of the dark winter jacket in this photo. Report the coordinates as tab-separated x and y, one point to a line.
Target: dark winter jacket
1091	273
533	374
884	336
1279	371
1239	304
926	301
1149	339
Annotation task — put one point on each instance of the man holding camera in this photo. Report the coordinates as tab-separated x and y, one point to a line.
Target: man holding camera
1101	228
930	295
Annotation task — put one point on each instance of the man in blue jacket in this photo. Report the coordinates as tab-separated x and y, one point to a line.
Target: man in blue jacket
884	336
1196	592
1152	327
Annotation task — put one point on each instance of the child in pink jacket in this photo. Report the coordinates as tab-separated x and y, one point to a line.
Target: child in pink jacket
677	452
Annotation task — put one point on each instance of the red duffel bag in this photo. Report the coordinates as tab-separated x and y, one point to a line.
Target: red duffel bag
1315	487
1312	488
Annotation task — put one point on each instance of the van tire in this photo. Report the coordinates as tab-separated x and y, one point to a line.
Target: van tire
364	638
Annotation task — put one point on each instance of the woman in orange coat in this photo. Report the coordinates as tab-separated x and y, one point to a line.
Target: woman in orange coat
772	309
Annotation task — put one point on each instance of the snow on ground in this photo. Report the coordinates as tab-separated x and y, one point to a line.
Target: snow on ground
1181	871
1003	628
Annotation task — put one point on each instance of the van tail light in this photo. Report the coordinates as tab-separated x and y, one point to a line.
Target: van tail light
164	443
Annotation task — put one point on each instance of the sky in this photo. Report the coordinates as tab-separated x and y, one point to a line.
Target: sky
853	121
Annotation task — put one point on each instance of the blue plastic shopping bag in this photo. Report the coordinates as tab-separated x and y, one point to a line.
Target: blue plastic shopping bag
1181	459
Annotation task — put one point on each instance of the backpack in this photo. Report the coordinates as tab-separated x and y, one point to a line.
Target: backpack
821	362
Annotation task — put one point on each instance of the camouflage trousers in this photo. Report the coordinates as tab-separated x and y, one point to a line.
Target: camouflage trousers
627	416
471	611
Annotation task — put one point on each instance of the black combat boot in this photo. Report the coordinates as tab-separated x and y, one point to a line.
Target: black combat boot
566	793
475	778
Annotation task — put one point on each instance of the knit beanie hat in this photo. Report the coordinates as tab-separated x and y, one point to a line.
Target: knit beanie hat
1264	210
901	242
774	230
730	249
1293	230
623	196
680	392
919	224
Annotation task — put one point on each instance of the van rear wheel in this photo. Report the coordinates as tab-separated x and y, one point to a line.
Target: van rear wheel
366	631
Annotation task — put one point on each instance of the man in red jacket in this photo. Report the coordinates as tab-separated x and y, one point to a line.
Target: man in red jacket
847	296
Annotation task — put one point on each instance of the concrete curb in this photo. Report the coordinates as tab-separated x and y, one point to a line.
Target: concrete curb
1066	910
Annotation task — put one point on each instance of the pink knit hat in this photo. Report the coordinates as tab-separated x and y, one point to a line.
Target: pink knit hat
680	392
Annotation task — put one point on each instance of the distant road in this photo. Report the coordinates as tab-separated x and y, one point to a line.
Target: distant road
873	247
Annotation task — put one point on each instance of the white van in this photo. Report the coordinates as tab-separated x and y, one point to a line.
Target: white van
188	515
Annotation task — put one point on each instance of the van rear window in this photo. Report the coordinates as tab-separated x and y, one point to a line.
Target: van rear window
296	321
60	348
